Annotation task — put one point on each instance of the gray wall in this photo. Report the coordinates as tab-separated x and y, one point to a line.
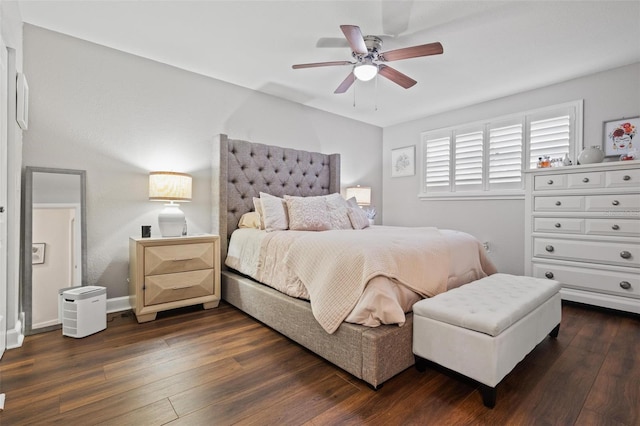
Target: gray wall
607	95
119	116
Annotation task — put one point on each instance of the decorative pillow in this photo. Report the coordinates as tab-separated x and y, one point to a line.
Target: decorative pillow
250	220
358	218
337	208
352	202
274	212
308	213
258	206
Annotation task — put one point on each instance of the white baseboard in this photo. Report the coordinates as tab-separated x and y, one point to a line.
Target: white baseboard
15	337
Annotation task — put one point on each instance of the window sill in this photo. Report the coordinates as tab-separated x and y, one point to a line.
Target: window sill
471	196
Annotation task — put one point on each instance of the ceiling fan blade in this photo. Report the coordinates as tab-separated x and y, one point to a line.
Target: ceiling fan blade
344	86
332	42
396	76
321	64
412	52
354	37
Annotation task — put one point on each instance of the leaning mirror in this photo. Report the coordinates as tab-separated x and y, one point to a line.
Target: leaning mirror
54	252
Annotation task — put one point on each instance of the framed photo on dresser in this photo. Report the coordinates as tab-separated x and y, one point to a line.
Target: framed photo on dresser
620	136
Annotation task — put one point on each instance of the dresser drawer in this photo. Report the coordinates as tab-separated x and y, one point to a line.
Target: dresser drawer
611	282
559	204
612	203
612	253
169	259
550	182
180	286
623	179
613	226
563	225
585	180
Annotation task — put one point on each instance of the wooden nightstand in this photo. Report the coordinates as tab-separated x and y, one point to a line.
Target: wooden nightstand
168	273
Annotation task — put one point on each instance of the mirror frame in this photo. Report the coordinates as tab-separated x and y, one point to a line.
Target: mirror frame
27	241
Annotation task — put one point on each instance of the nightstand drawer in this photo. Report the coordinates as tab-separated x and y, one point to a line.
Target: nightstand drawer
170	259
172	287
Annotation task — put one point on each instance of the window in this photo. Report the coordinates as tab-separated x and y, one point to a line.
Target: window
488	159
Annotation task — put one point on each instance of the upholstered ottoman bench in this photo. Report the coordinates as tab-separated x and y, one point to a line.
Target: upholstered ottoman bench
484	328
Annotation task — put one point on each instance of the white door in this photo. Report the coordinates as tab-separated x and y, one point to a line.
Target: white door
3	196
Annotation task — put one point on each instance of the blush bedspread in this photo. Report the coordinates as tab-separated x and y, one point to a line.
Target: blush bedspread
369	277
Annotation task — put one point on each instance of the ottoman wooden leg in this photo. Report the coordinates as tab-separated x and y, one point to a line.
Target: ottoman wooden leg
421	364
488	395
554	332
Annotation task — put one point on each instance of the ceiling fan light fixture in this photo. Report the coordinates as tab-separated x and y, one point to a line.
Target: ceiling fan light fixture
365	71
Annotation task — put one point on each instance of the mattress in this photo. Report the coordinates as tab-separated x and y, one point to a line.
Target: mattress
263	256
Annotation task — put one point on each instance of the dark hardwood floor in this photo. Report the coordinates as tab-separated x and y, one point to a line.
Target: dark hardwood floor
220	367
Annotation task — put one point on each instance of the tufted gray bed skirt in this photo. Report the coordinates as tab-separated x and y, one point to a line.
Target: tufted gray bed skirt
241	170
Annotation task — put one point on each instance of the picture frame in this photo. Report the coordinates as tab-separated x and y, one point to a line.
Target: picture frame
37	253
620	136
22	104
403	161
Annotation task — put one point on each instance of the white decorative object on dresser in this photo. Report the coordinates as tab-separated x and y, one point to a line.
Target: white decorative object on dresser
583	229
169	273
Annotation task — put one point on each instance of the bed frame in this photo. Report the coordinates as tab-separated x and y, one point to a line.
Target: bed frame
241	170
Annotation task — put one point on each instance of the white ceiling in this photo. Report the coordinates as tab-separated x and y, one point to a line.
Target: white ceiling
491	49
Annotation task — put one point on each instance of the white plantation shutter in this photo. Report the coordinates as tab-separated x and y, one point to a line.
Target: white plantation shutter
436	163
550	137
468	160
505	156
488	159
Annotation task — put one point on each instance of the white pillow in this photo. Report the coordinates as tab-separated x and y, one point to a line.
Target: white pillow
274	212
258	206
358	218
338	208
308	213
352	202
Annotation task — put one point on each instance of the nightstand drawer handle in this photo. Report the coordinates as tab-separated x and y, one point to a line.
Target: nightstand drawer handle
549	274
626	177
615	227
615	202
558	225
550	182
558	203
625	284
625	255
550	249
585	180
183	260
180	287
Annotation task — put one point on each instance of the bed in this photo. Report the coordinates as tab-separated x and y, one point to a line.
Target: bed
241	171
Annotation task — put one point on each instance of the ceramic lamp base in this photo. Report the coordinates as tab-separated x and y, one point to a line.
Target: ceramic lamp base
171	221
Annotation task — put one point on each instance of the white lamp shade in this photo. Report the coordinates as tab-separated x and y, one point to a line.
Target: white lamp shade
362	194
365	72
169	186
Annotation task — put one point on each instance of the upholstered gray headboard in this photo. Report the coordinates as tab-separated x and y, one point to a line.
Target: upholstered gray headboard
241	170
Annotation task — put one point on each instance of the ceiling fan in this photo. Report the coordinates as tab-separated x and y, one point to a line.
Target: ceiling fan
369	60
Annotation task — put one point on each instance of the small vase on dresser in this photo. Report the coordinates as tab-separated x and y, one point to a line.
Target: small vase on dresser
583	230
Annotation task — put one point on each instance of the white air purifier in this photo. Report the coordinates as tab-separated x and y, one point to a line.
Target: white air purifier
84	311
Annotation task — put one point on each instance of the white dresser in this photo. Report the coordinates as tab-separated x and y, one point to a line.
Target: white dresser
582	228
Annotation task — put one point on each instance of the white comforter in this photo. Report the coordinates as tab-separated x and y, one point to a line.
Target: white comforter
267	257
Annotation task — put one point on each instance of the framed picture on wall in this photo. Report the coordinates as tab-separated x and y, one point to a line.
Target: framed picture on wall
37	253
403	161
620	136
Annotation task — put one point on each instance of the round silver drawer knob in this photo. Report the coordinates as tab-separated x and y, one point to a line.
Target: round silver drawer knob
558	225
626	177
615	227
558	203
550	249
585	180
625	255
549	275
625	284
550	182
615	202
